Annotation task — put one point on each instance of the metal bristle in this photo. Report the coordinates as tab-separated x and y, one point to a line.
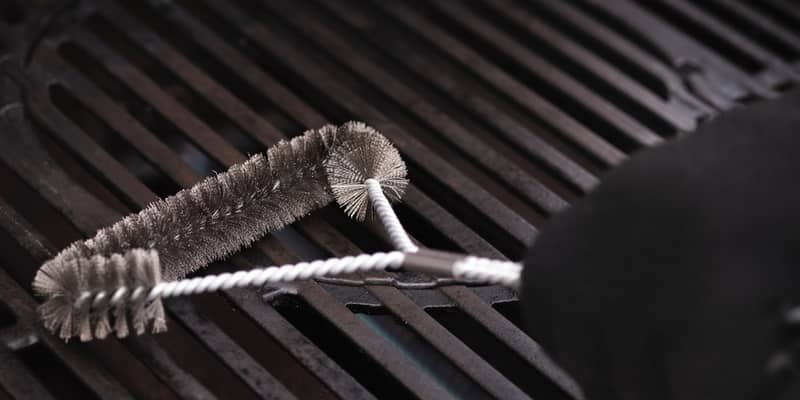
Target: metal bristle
69	312
225	212
364	154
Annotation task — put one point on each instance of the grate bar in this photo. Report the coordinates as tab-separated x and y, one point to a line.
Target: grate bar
537	105
223	52
200	133
249	370
515	132
422	323
416	153
472	305
193	321
448	225
211	91
510	335
376	347
13	224
86	370
207	332
781	71
195	129
311	357
443	221
539	28
140	81
185	20
791	10
236	357
549	72
103	165
645	62
498	133
462	356
763	23
383	353
231	354
514	176
37	246
18	381
684	51
128	127
244	65
25	142
158	360
397	364
42	250
514	338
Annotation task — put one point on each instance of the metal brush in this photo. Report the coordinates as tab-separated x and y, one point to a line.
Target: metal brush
114	282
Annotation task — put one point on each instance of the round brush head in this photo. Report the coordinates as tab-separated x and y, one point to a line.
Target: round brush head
363	154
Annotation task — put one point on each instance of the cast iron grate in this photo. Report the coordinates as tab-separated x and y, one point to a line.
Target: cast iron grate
505	110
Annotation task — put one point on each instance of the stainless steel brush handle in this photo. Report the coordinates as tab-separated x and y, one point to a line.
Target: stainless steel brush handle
287	273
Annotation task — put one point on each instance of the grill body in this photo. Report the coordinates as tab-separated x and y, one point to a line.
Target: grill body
505	111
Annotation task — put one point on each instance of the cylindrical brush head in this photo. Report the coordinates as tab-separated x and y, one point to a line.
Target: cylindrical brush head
70	312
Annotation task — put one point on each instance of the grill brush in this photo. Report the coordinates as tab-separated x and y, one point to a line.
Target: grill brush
114	282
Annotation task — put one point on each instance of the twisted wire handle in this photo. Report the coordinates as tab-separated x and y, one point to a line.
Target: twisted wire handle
469	268
487	270
255	277
397	234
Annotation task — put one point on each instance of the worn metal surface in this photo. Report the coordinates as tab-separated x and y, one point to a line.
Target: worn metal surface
505	110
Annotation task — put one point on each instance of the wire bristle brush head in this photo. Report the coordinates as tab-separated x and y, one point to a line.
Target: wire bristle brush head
363	155
207	222
71	311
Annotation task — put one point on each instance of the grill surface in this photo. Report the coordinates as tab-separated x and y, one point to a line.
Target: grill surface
504	110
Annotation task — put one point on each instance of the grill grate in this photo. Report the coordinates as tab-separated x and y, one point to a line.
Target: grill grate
505	110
